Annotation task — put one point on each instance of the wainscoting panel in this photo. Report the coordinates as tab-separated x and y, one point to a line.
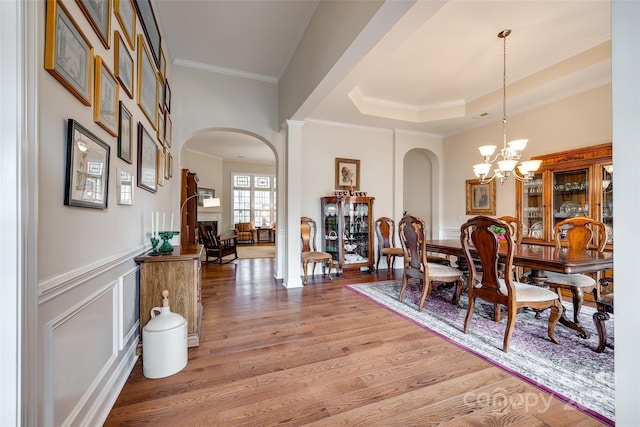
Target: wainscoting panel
90	331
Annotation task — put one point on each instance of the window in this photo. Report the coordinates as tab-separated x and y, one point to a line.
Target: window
254	199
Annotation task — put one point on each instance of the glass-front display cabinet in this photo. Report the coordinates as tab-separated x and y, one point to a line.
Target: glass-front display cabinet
569	183
347	231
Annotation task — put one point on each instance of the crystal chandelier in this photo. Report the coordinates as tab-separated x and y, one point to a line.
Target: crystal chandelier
510	152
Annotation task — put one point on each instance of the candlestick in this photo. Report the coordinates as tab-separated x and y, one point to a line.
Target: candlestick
163	228
157	222
171	222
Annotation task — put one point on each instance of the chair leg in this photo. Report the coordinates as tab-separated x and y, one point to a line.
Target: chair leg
470	308
554	316
599	317
578	299
405	280
426	290
378	261
304	268
508	333
389	266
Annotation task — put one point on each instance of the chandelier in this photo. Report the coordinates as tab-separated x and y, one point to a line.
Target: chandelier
510	152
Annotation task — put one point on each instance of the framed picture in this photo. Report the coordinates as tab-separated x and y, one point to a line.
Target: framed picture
150	27
160	131
160	166
126	15
167	96
124	65
87	172
204	193
481	198
125	134
162	68
167	159
347	174
105	107
147	83
168	125
170	165
125	183
98	13
147	160
68	53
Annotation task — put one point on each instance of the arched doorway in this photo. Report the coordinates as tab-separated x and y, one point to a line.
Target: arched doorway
420	192
215	155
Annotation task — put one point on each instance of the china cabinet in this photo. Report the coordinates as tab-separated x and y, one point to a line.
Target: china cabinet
569	183
347	231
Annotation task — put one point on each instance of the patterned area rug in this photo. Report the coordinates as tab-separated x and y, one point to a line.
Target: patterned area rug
571	371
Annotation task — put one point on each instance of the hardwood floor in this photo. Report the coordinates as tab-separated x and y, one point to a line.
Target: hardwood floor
323	355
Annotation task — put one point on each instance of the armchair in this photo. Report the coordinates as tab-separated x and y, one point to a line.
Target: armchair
246	232
216	245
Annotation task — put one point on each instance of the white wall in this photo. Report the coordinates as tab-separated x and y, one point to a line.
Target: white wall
87	312
580	121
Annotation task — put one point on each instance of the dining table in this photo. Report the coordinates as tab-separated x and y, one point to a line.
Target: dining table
541	258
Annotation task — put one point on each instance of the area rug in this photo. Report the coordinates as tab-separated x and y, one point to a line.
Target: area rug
251	251
571	371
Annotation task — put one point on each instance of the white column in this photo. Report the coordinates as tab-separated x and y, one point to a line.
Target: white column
292	278
625	61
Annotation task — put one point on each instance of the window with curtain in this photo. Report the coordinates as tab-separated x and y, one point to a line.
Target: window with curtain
254	199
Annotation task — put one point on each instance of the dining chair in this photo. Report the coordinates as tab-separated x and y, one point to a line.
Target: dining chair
478	239
385	232
516	228
604	306
576	234
413	238
309	250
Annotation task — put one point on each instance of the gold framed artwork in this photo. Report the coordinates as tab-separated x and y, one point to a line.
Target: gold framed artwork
481	197
168	128
98	13
123	65
160	167
162	68
147	160
347	174
126	15
105	107
68	53
147	94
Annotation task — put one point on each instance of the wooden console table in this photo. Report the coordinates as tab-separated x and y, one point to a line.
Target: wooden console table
261	232
179	273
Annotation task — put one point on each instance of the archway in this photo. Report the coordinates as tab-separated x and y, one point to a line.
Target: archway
215	154
420	192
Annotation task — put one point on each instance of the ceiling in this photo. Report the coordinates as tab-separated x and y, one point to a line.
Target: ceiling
439	69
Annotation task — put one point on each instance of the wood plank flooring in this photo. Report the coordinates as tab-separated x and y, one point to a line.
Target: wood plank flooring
324	356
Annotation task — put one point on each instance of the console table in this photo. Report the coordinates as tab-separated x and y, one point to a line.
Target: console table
179	273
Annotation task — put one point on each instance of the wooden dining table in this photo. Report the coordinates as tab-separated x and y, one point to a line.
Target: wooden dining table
541	258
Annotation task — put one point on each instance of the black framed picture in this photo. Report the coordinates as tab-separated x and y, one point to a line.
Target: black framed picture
167	96
147	160
87	171
150	27
125	134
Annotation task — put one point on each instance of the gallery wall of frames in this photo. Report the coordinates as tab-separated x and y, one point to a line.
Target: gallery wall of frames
137	70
